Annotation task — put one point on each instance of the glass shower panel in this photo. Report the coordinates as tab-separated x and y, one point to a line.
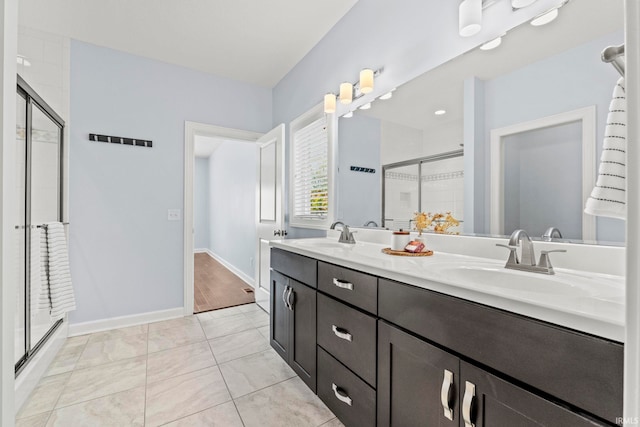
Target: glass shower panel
401	199
44	203
442	187
20	227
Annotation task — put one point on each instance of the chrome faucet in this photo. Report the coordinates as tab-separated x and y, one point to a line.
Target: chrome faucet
520	238
346	236
551	233
368	223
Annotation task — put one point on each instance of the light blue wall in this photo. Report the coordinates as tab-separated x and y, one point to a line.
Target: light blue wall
232	204
126	258
359	192
201	203
573	79
406	37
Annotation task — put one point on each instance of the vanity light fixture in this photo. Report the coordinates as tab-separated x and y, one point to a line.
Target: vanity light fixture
492	44
348	115
440	112
387	95
21	60
365	106
519	4
346	93
545	18
366	80
470	17
330	103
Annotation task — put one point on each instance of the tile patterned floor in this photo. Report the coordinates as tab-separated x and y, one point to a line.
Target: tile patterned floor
215	286
211	369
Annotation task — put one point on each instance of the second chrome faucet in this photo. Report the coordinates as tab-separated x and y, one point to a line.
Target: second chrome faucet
527	260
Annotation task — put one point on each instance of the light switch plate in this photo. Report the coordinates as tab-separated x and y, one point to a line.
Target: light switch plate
173	214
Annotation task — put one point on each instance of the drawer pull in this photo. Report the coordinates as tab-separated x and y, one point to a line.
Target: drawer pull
445	391
343	284
289	295
284	297
341	395
342	333
467	403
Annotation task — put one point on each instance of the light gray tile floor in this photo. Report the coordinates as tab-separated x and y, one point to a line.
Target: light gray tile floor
211	369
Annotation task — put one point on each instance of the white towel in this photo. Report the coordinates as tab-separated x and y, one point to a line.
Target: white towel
60	291
608	197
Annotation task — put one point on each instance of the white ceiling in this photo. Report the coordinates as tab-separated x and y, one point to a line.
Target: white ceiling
254	41
414	103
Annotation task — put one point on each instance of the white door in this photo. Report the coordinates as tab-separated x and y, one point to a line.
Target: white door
269	206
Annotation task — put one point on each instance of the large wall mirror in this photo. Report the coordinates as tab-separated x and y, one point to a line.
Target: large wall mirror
542	95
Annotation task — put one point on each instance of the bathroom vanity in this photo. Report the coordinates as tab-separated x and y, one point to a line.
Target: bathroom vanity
386	341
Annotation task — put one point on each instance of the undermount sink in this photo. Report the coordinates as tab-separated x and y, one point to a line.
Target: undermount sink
504	280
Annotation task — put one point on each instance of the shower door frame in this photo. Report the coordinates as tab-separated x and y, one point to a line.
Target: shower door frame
32	98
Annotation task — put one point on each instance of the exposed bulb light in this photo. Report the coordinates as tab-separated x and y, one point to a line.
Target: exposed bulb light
519	4
387	95
545	18
365	106
21	60
440	112
366	81
329	103
470	17
346	93
492	44
348	115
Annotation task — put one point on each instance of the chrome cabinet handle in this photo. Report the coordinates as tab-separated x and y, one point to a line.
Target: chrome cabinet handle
342	333
447	382
289	301
467	403
341	395
284	297
343	284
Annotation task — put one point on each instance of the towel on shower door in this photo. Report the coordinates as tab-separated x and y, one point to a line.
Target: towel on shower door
608	197
60	297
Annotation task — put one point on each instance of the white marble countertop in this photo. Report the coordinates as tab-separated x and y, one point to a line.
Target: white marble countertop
584	301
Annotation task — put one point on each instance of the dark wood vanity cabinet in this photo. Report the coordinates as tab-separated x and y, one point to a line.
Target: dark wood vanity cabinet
293	323
420	384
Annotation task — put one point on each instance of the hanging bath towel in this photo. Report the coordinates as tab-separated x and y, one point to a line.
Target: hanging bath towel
608	197
61	296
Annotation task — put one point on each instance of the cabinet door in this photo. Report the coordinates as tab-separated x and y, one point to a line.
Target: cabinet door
279	316
417	382
488	401
303	332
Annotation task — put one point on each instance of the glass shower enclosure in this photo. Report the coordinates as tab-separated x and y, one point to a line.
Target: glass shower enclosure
39	133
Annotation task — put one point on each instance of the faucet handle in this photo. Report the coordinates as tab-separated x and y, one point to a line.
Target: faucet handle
545	261
513	255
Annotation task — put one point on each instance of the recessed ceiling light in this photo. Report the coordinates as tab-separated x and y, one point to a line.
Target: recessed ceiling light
365	106
519	4
21	60
492	44
440	112
348	115
545	18
387	95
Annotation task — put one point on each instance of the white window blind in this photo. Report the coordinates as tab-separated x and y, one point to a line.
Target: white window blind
310	169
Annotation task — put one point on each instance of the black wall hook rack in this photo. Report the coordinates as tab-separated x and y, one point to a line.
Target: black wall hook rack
119	140
361	169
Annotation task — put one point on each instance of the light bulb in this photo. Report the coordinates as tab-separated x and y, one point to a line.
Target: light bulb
346	93
366	80
329	103
470	17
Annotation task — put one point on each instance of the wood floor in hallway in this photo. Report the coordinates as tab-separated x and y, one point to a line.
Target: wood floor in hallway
216	286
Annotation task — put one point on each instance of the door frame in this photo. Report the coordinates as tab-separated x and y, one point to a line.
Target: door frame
191	130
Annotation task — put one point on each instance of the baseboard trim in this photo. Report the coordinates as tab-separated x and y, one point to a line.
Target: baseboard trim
124	321
200	251
241	275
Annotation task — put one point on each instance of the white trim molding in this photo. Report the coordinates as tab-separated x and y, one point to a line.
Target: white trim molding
587	117
101	325
191	130
241	275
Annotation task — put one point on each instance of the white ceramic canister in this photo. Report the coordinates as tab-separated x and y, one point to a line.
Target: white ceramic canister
399	239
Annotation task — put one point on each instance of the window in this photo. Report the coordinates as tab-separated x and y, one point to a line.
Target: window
311	197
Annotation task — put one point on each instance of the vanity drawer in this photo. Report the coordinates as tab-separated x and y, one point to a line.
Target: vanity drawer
352	286
348	397
349	335
298	267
